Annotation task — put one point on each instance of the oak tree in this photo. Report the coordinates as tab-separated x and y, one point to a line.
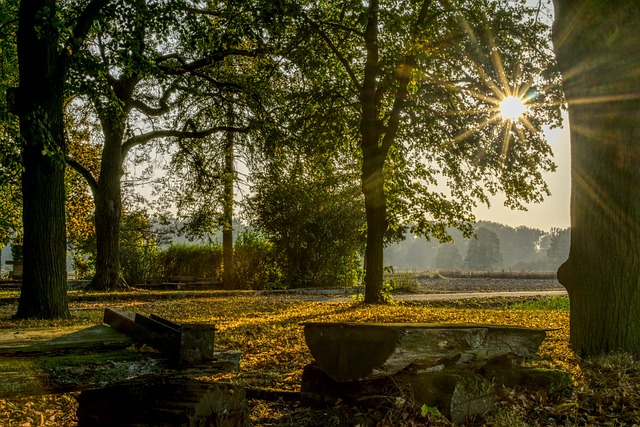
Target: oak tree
47	42
421	83
596	43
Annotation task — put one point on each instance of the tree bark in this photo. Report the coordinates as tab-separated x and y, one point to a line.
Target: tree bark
40	107
228	279
108	209
596	44
373	156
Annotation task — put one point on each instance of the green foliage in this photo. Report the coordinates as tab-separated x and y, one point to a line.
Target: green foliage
255	262
10	160
312	212
429	410
138	247
483	252
559	244
198	261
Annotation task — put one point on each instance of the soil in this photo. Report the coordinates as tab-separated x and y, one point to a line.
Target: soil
459	285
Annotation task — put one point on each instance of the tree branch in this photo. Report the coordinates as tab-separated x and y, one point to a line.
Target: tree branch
188	67
168	133
403	80
86	174
84	23
336	52
155	111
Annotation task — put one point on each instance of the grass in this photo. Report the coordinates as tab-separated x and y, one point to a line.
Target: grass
550	303
268	332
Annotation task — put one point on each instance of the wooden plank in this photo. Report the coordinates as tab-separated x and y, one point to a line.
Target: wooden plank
164	321
353	351
125	322
153	325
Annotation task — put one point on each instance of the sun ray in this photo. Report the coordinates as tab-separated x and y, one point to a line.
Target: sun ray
506	139
497	62
476	128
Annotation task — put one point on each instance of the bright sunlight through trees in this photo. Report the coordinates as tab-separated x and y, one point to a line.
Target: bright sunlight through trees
511	108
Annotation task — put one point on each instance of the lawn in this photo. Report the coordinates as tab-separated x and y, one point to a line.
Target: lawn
267	330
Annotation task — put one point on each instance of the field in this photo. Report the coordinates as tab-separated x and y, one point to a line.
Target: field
266	328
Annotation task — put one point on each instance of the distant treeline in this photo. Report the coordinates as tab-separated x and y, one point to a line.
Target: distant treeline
496	247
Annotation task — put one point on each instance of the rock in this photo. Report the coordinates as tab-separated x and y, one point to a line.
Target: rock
457	394
551	381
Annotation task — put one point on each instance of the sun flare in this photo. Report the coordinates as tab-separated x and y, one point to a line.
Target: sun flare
512	108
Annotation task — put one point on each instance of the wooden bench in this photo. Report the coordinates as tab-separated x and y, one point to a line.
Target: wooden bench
180	283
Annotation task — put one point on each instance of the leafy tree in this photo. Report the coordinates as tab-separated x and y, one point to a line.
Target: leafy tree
448	257
312	212
10	167
420	82
483	252
146	58
559	242
596	43
139	243
47	42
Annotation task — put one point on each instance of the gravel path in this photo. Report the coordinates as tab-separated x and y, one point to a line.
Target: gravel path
441	289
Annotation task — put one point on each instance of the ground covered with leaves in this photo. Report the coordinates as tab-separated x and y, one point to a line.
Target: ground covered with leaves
268	331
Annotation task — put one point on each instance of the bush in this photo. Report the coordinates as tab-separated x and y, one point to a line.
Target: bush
202	262
255	262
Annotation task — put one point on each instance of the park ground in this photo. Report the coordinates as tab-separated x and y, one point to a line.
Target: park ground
266	328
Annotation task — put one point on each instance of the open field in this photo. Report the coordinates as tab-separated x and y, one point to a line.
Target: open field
267	330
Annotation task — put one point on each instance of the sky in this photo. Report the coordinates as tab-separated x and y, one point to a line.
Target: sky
554	211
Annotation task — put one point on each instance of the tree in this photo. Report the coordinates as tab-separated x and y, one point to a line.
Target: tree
559	243
421	81
140	78
45	51
483	252
596	43
10	165
312	212
448	257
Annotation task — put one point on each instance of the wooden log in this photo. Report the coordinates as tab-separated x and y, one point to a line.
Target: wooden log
164	404
456	394
354	351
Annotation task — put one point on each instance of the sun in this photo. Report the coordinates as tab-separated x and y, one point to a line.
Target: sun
512	108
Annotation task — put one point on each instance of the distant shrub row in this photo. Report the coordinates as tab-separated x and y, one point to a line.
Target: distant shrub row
463	274
252	259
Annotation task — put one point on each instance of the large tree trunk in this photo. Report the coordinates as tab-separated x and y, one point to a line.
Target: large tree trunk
108	212
376	211
373	157
596	43
40	107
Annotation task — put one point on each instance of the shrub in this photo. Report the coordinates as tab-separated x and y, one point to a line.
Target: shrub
255	262
202	262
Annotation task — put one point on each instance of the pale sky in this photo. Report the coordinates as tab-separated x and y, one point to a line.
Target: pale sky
554	211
